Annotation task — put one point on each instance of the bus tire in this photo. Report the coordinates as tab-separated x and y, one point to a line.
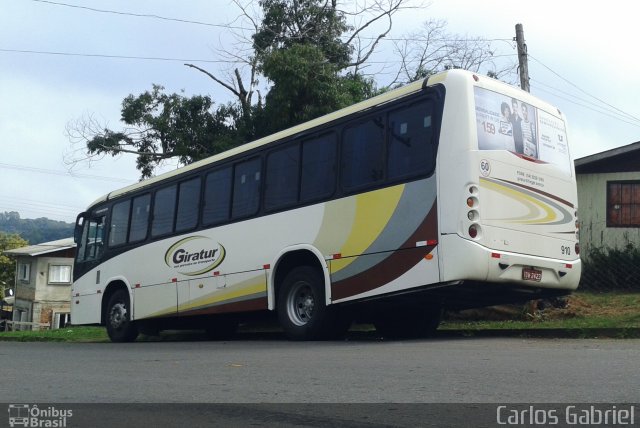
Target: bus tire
409	324
120	327
301	307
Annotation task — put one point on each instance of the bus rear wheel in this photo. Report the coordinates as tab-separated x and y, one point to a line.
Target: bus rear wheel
301	307
120	327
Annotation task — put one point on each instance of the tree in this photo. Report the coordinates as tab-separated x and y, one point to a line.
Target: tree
433	49
311	53
162	126
7	264
300	50
296	45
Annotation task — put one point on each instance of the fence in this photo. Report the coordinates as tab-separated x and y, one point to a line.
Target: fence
611	269
7	325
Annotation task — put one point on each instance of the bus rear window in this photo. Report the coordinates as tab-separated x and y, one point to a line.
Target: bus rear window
505	123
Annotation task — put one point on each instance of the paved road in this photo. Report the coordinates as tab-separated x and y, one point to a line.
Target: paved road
148	375
444	370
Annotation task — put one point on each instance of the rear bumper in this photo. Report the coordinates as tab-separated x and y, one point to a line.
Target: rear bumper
468	261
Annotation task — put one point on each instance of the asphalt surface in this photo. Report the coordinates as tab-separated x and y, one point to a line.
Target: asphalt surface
262	380
444	370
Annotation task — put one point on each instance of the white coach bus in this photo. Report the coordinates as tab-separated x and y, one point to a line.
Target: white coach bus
457	191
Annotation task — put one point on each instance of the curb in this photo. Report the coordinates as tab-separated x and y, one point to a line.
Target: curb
547	333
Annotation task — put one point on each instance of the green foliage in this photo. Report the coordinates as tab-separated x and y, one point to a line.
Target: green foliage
163	126
8	241
298	47
300	50
288	23
605	269
69	334
35	231
306	85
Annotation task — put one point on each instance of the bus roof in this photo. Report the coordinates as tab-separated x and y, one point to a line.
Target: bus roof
361	106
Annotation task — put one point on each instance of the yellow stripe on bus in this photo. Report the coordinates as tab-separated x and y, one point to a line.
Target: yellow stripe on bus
529	201
373	212
248	287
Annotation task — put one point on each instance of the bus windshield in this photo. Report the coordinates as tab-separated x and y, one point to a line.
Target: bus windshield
506	123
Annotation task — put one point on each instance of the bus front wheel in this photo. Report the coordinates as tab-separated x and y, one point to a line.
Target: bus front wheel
120	327
301	307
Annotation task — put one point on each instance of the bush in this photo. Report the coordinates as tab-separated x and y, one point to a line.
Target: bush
607	269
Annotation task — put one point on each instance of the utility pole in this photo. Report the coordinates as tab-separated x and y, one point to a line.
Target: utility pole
523	67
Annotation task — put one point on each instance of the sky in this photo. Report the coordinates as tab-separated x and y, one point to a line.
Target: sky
581	59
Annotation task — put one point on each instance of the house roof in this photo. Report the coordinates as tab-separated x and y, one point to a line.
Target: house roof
621	159
44	248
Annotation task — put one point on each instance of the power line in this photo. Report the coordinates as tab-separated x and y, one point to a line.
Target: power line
62	173
41	209
111	56
238	27
133	57
612	113
630	116
139	15
29	204
604	113
39	203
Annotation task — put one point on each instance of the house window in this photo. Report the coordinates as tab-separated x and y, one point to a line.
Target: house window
59	274
24	271
623	204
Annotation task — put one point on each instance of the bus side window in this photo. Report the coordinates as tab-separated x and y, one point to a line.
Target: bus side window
92	239
362	154
281	188
188	205
410	146
119	225
319	157
164	208
246	188
217	196
139	218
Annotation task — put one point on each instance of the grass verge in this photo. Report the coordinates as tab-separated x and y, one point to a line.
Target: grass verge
585	315
69	334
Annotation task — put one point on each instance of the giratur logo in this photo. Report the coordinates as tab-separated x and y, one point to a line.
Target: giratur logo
195	255
27	415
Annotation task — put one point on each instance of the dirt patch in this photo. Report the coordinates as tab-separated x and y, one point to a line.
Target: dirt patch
577	305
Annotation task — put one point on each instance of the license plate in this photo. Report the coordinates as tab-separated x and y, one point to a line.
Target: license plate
531	274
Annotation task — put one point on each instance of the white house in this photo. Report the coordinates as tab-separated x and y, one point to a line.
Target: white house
43	282
609	198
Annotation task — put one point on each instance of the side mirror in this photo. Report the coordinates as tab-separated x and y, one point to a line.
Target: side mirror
77	231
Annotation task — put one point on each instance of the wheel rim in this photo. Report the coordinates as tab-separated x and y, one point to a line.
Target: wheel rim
301	303
118	315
